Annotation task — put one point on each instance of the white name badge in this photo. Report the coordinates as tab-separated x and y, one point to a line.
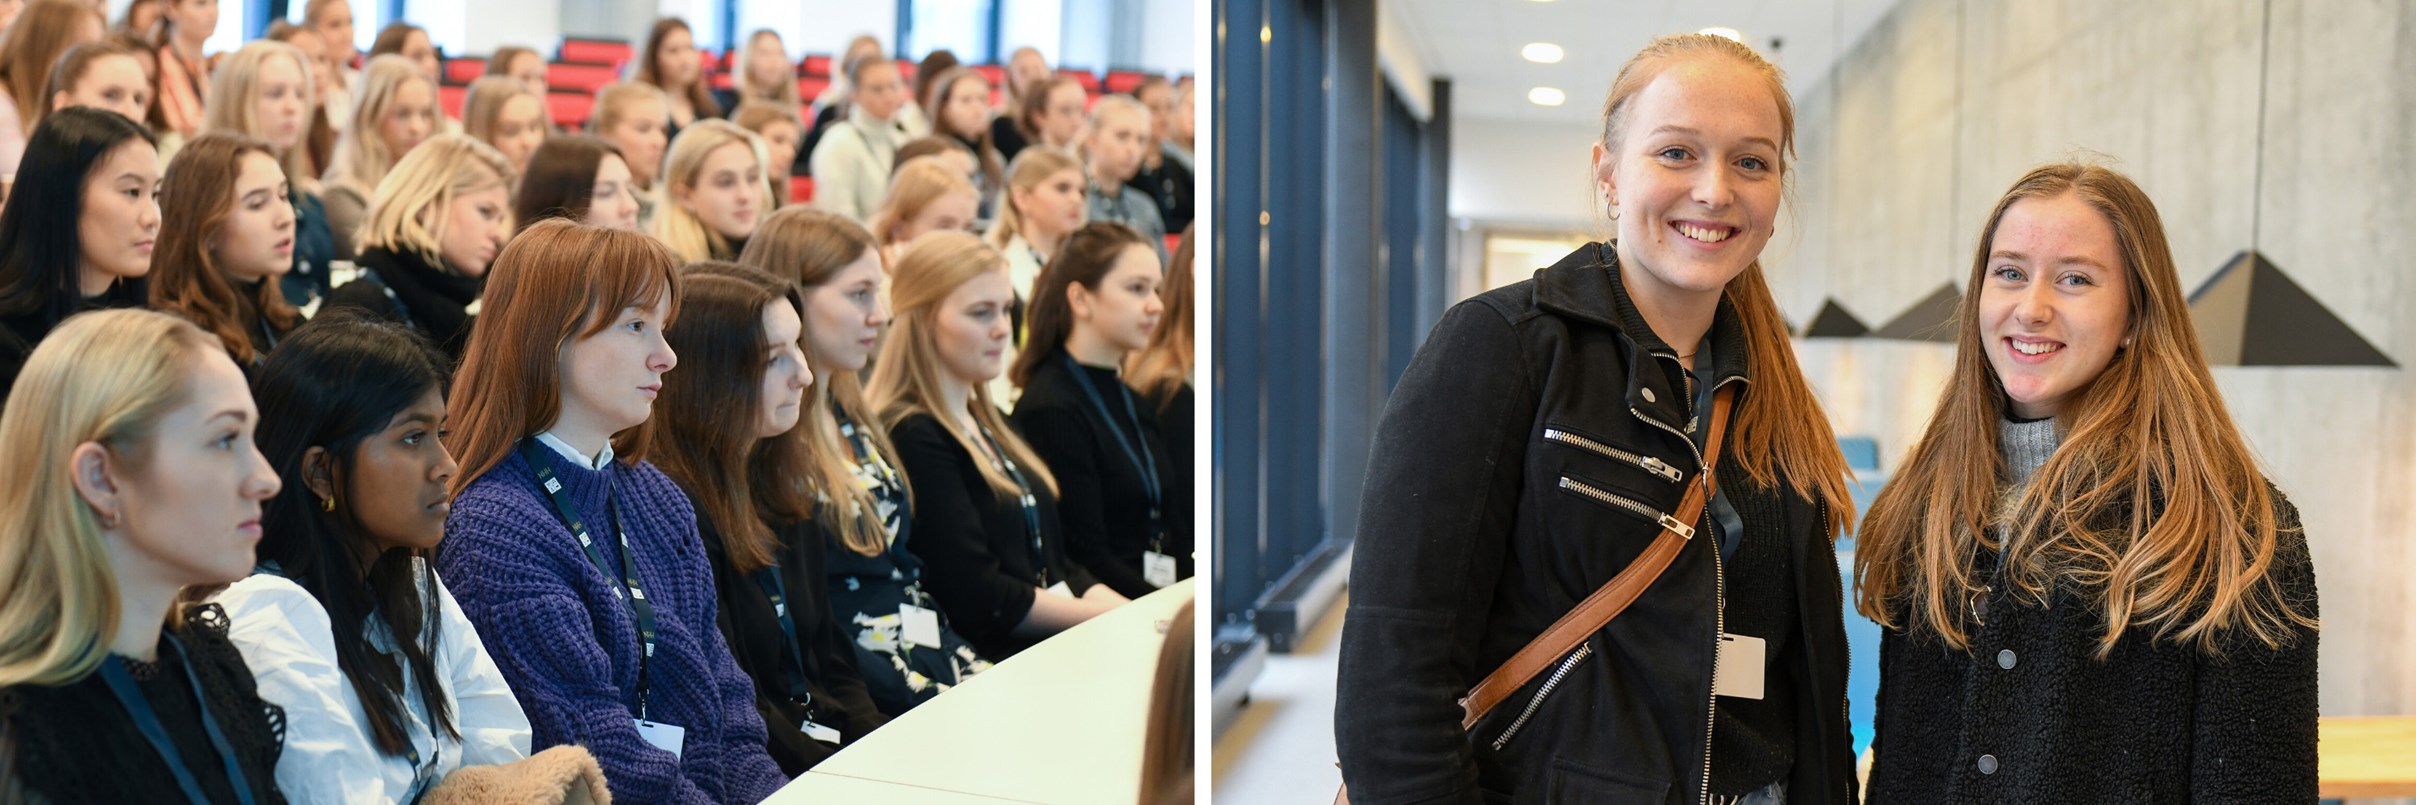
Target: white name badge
821	733
1739	672
1157	568
1060	589
919	626
666	737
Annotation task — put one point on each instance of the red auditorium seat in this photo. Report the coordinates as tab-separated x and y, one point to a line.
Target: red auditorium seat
579	77
1125	81
816	65
570	109
595	51
996	74
449	98
464	71
1088	79
801	189
811	87
906	68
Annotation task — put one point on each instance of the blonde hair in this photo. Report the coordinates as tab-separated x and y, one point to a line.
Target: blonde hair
612	108
906	379
487	98
430	177
2153	508
920	182
234	103
786	92
361	158
1780	433
674	225
1110	104
1032	166
106	377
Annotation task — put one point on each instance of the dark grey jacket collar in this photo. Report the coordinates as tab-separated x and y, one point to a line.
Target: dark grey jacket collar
1585	286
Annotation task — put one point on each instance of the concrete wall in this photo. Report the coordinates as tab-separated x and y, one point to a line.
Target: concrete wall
1909	141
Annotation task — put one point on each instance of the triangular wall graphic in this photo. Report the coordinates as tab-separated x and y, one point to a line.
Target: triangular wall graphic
1834	322
2250	313
1931	319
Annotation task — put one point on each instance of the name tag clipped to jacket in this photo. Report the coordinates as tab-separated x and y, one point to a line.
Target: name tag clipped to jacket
1060	589
828	735
1157	568
1738	673
666	737
919	626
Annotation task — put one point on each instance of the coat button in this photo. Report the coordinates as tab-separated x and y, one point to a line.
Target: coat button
1988	764
1648	396
2005	659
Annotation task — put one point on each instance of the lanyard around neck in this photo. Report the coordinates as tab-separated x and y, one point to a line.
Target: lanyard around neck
121	683
630	590
1030	503
776	587
1142	460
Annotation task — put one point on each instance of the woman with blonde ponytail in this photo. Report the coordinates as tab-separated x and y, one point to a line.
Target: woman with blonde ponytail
2090	592
1549	432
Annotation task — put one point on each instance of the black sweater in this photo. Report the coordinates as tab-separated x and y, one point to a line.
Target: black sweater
77	743
424	295
975	546
1102	498
21	333
2029	714
752	628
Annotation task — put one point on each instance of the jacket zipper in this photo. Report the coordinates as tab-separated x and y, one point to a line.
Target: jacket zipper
1552	682
1711	704
1650	464
1639	509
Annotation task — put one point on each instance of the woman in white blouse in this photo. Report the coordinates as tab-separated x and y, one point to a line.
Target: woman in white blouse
386	688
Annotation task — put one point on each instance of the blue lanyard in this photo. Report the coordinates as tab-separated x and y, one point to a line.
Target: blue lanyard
1143	460
776	588
1031	504
631	591
122	684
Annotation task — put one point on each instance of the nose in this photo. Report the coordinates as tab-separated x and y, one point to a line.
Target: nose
880	312
663	358
1153	305
148	215
446	466
1712	188
262	483
2036	304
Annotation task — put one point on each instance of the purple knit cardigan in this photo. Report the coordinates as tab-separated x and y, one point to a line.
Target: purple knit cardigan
569	648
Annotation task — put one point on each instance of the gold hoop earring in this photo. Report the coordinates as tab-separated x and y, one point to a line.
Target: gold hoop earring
327	504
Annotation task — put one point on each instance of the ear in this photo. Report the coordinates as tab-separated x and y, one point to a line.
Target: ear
1603	185
95	477
1079	298
318	472
58	100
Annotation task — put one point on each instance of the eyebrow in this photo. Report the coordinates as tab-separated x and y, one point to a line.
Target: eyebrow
2076	259
235	413
1764	142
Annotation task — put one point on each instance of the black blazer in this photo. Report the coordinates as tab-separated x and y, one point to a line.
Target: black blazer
976	547
753	631
1100	492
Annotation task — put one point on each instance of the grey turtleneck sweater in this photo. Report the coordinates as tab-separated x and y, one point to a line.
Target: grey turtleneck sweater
2025	446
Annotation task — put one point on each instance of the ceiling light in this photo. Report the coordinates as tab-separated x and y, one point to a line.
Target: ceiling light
1546	96
1727	33
1541	52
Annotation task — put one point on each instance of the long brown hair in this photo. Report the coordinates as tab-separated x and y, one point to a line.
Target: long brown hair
556	282
1026	115
2153	507
993	172
906	380
740	483
561	179
31	46
1161	369
1780	431
1086	258
650	69
195	198
809	246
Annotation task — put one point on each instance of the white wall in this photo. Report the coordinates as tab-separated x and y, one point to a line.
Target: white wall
1524	174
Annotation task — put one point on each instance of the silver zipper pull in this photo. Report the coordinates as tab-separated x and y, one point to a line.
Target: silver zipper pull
1672	524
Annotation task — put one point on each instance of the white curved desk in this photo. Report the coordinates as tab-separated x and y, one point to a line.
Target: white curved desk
1059	723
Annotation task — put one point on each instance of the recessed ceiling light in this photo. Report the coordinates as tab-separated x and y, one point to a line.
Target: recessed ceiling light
1726	33
1546	96
1541	52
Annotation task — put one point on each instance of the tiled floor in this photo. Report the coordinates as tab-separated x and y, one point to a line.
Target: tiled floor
1281	748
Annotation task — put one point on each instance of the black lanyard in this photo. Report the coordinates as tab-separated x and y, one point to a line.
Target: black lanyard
776	588
122	684
1031	503
889	478
631	591
1147	463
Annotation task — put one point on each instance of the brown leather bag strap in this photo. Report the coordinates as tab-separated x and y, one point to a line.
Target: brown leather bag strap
1598	609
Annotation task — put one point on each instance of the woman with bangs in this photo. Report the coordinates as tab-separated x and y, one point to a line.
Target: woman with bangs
2090	591
716	191
578	561
908	651
439	219
739	336
1630	420
265	90
989	529
226	234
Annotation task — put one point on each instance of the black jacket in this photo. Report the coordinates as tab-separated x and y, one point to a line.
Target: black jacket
1472	540
1100	489
19	334
2029	714
976	548
404	287
834	687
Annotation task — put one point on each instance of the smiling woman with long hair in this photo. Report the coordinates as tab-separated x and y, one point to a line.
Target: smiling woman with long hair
2091	592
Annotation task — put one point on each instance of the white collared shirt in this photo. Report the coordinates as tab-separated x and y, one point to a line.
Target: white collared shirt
601	460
